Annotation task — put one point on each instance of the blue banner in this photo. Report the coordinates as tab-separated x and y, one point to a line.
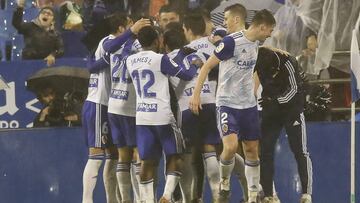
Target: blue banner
18	106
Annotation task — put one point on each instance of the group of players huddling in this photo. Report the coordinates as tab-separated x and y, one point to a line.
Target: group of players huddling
129	114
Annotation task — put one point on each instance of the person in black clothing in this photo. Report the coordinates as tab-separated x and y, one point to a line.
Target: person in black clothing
41	39
282	102
58	111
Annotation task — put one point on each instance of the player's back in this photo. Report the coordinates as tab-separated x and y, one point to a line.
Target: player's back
100	83
122	99
152	89
203	45
238	58
184	89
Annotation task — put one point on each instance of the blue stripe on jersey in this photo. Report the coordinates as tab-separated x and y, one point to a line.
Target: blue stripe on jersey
169	67
225	49
115	44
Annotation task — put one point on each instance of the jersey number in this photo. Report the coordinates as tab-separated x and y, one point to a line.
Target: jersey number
149	78
224	117
120	69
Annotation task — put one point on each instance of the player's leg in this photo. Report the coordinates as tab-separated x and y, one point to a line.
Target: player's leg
92	123
209	139
228	128
250	132
296	130
135	175
150	151
173	146
239	171
271	126
109	174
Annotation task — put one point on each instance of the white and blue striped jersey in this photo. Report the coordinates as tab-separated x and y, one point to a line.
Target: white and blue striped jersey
238	58
122	99
100	83
184	89
150	73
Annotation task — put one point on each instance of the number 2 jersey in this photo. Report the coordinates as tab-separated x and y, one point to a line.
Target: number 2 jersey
238	58
150	73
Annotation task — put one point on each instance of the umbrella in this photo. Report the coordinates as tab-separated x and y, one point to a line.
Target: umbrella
62	79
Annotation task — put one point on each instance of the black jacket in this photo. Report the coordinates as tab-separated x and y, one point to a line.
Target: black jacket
39	43
282	80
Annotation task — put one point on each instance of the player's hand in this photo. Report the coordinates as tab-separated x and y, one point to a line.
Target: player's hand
50	60
195	104
266	102
140	24
214	39
21	3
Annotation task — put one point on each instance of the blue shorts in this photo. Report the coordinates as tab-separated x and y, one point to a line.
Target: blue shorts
202	129
122	130
95	124
243	122
152	140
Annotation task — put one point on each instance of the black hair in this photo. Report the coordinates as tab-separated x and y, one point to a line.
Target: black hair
263	17
237	9
268	59
168	9
174	39
116	20
195	22
147	36
174	26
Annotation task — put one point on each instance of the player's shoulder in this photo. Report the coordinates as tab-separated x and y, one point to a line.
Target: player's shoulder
236	35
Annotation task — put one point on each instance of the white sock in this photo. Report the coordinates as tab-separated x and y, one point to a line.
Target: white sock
212	171
110	181
187	179
124	181
135	180
172	179
90	175
239	171
146	189
252	173
226	168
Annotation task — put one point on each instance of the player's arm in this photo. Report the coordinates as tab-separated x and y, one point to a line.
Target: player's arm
256	82
112	45
223	51
94	66
169	67
195	102
292	84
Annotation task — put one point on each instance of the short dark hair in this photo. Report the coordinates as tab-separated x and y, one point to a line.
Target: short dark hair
167	8
268	59
195	22
263	17
237	9
115	20
147	35
174	39
174	26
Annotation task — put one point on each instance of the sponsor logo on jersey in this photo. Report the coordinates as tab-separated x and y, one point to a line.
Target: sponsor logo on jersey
247	64
219	47
189	91
119	94
143	107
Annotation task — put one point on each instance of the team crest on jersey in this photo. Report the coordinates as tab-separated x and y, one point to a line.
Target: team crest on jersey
104	139
224	128
219	47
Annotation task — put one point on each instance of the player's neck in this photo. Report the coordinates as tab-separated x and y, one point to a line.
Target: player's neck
250	34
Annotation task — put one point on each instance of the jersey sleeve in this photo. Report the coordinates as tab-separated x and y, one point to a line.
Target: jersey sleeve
292	85
112	45
171	68
225	49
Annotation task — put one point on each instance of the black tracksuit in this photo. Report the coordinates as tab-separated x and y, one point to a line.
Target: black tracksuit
283	104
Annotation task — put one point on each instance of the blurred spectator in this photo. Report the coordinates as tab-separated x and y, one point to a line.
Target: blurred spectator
41	39
57	111
70	16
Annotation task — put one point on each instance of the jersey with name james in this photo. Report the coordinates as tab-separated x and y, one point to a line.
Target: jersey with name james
100	83
238	58
122	99
152	87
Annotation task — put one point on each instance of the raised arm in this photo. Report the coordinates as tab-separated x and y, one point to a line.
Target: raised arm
169	67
